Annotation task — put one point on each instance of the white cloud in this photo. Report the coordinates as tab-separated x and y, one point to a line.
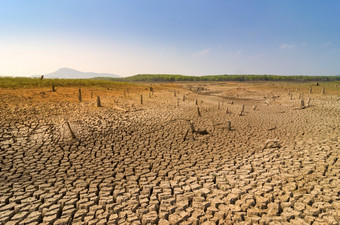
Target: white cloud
202	53
286	46
326	44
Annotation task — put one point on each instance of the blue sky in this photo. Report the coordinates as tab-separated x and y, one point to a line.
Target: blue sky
193	37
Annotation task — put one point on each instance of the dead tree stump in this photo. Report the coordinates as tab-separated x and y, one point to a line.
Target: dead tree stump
198	111
71	131
98	102
141	99
323	91
53	88
229	125
79	95
242	110
227	111
302	104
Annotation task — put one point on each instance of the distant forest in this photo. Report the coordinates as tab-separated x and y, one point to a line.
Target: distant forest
174	78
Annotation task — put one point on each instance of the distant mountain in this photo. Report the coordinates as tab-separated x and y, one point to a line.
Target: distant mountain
67	73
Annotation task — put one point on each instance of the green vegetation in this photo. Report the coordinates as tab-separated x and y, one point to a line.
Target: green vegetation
174	78
25	82
108	82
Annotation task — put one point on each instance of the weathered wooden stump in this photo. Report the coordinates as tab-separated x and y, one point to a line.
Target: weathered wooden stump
98	102
310	90
79	95
198	111
229	125
196	102
302	104
53	88
141	99
323	91
242	110
71	131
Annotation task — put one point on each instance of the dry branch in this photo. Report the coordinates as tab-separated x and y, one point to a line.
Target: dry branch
71	131
275	144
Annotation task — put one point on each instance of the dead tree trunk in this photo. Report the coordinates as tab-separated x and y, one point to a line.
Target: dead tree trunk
308	102
79	95
71	131
141	99
98	102
242	110
53	88
229	125
302	104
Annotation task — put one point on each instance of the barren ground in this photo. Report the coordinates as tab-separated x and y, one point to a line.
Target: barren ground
134	163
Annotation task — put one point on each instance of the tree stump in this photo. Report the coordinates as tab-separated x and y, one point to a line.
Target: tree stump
229	125
198	111
302	104
79	95
98	102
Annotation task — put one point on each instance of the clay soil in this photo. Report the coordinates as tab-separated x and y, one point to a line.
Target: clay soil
171	159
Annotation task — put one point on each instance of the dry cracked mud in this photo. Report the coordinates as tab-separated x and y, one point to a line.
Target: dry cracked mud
134	163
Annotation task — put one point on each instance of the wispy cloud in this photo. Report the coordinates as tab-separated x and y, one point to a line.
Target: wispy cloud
326	44
286	46
203	52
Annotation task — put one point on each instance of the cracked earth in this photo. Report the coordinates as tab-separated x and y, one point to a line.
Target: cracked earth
151	163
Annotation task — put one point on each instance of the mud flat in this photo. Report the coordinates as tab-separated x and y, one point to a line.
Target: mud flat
174	159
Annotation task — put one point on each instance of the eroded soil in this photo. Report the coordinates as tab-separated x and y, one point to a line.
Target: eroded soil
133	163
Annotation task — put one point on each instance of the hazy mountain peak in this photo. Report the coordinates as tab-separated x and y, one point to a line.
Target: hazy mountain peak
68	73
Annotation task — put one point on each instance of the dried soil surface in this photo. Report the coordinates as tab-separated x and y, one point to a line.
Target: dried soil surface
161	162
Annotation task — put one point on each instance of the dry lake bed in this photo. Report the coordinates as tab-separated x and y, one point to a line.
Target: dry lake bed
185	153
